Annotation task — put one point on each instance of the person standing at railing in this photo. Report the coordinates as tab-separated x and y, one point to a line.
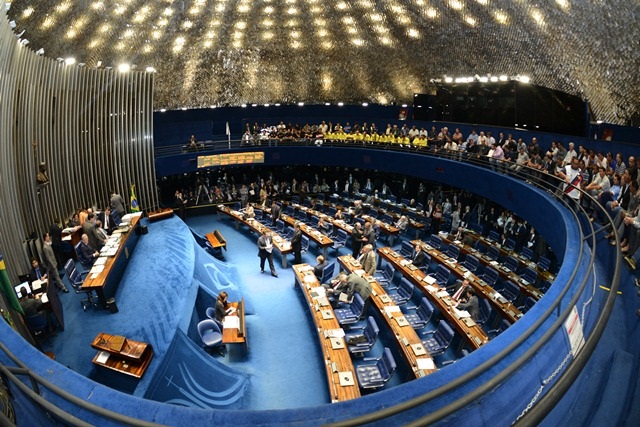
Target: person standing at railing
572	177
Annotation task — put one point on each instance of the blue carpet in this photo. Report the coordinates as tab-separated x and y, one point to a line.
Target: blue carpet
191	377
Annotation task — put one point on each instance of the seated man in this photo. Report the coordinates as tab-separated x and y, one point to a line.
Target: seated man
86	250
37	273
419	258
402	223
322	263
470	303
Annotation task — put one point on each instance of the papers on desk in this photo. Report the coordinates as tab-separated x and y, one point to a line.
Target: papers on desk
457	242
462	313
44	298
102	358
389	309
323	301
442	294
404	262
346	379
310	278
334	333
431	289
66	238
129	217
429	279
231	322
494	263
451	261
37	284
230	310
97	269
426	363
469	322
359	272
306	268
100	261
318	291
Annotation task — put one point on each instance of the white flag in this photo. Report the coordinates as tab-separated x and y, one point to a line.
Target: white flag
228	130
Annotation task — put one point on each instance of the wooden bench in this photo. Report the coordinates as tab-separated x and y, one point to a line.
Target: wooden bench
160	214
216	240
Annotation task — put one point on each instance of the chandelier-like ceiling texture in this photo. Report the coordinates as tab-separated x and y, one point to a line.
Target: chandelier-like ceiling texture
230	52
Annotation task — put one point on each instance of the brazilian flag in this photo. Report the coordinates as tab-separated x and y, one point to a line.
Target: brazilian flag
7	289
134	201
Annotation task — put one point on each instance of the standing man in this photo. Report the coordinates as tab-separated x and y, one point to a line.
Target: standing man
275	213
356	239
117	203
51	263
265	251
367	259
369	234
106	220
296	243
572	179
181	203
56	240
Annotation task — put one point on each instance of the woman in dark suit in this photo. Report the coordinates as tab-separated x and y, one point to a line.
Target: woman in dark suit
221	306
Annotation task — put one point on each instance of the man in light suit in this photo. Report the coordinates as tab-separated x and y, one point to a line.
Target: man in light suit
367	259
117	203
265	252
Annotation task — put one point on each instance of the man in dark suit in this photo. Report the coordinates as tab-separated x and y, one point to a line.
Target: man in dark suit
37	272
419	258
369	234
296	243
96	239
275	214
265	252
56	241
86	250
105	219
470	303
322	263
51	263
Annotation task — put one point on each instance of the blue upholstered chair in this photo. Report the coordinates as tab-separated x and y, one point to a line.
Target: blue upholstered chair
511	263
375	375
406	250
339	240
471	263
327	272
440	340
418	317
385	276
351	313
369	333
403	292
210	334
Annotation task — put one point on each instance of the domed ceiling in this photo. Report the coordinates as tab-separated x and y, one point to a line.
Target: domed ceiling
230	52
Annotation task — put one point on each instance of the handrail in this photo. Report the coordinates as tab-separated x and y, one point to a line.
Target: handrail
532	416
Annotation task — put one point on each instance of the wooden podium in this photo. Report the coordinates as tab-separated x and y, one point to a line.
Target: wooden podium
122	355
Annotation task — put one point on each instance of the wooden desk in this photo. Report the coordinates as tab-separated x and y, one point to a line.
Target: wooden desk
279	243
347	228
216	240
505	274
405	335
320	239
542	274
106	282
472	333
160	214
236	335
482	289
336	360
73	236
131	358
389	229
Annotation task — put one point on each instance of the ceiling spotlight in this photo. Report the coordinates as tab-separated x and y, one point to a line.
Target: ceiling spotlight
327	103
162	110
150	70
266	105
81	64
503	78
254	105
243	105
300	104
494	79
404	105
484	79
99	64
525	79
12	24
277	104
40	52
448	79
365	104
124	68
70	61
212	106
60	59
20	34
184	108
24	42
108	68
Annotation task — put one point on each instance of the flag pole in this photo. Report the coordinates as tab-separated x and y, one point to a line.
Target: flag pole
229	135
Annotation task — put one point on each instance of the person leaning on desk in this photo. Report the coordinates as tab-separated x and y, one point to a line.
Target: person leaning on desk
222	307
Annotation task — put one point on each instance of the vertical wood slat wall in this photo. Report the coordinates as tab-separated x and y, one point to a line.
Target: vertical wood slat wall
94	130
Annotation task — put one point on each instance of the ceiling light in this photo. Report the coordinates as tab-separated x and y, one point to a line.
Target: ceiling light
150	70
448	79
503	78
494	79
162	110
24	42
124	68
244	105
365	104
404	105
300	104
12	24
184	108
327	103
525	79
81	64
70	61
40	52
266	105
340	104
